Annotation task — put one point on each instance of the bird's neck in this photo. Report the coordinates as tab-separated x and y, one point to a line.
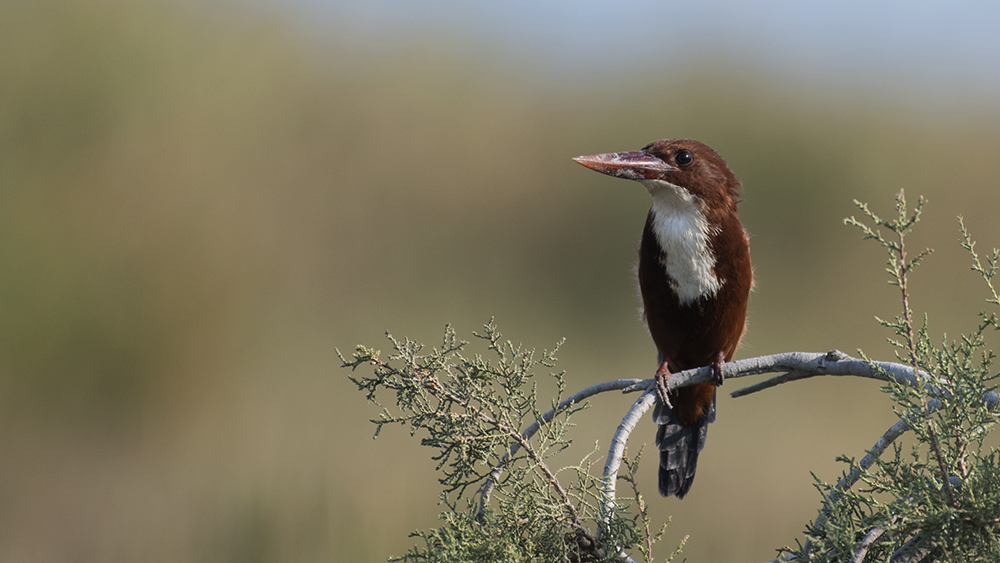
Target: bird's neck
683	234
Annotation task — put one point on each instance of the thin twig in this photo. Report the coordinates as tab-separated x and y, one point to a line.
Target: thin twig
557	486
641	505
944	471
960	446
901	276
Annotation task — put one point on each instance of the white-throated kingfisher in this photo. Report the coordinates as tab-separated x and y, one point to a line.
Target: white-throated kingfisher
694	277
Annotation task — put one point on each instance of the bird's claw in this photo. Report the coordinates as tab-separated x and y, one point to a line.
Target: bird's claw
717	376
662	380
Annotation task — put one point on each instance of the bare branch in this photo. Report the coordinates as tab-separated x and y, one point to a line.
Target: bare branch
873	536
802	365
624	385
894	431
618	441
909	552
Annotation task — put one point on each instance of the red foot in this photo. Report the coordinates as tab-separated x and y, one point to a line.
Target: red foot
662	379
717	370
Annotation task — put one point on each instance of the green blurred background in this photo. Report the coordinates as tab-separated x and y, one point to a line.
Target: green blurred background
200	201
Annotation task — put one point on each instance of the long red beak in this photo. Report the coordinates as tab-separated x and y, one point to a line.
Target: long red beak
632	165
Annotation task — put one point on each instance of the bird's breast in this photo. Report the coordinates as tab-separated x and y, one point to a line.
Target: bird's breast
682	233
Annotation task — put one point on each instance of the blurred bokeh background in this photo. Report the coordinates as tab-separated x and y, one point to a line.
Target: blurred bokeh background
199	201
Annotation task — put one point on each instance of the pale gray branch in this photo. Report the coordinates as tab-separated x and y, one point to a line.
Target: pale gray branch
894	431
801	365
624	385
798	365
909	552
618	441
869	539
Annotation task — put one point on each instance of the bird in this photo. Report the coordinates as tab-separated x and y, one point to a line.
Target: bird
695	277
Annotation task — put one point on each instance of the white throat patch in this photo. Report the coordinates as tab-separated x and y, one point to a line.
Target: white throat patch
683	232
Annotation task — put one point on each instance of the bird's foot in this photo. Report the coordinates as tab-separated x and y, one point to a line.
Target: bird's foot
662	380
717	375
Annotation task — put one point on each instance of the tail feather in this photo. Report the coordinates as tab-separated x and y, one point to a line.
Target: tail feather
679	448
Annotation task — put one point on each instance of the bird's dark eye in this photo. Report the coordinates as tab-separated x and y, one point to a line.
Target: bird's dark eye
683	158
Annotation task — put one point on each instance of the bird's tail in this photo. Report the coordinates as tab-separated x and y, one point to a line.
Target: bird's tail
679	448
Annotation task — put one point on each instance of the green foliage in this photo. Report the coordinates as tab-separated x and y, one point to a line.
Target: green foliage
472	410
940	501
